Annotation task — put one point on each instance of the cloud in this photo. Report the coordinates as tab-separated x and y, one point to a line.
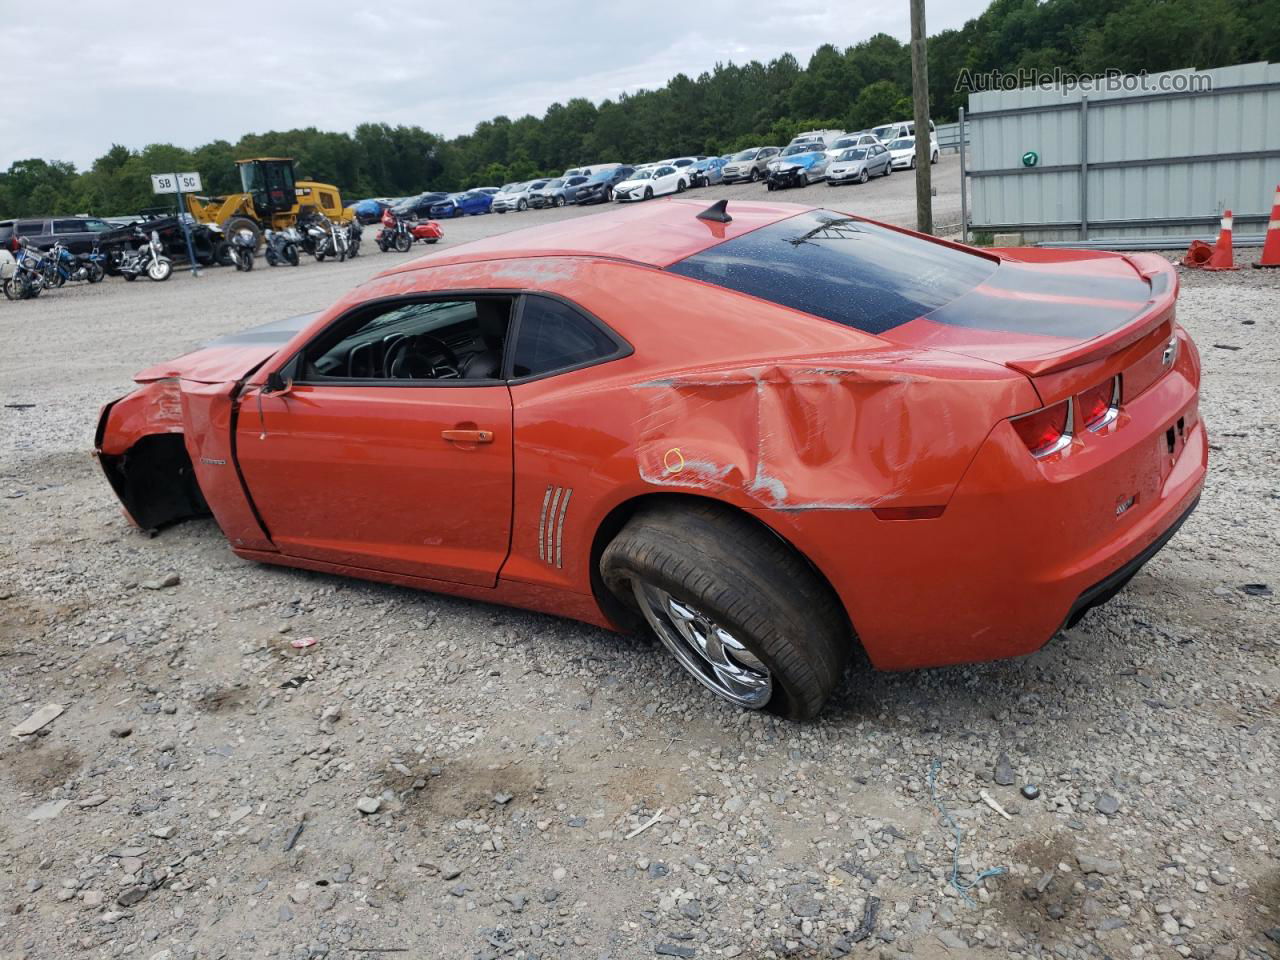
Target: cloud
187	75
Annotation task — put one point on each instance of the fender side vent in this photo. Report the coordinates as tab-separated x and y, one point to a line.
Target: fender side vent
555	504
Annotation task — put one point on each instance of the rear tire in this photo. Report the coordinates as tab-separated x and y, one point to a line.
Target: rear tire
752	586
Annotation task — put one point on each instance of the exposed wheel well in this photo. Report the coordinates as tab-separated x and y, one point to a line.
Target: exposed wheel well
628	618
155	481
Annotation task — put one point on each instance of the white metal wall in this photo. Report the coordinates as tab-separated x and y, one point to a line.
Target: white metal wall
1157	164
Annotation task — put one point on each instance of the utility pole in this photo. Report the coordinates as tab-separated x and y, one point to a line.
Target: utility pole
920	98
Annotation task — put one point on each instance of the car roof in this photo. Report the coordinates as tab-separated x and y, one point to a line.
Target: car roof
655	234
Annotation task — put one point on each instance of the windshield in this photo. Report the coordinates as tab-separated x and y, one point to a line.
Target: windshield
844	143
795	148
558	182
746	155
843	269
642	175
509	188
857	153
904	144
881	131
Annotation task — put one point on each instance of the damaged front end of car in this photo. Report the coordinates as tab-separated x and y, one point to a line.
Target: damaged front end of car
142	449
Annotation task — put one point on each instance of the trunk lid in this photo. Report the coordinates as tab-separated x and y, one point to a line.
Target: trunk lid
1066	319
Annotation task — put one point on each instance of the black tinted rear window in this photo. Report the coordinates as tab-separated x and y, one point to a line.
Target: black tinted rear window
847	270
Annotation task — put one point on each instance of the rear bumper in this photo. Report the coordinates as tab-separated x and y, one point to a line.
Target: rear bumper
1023	546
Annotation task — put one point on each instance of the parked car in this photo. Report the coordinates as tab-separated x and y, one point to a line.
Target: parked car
903	153
750	164
859	164
860	139
590	170
657	447
555	193
419	206
78	234
651	182
468	203
509	197
598	187
707	172
807	164
518	198
685	165
906	129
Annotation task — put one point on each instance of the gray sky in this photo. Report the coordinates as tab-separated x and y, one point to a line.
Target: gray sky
190	73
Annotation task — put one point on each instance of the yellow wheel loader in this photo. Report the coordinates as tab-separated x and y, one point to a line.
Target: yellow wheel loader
272	199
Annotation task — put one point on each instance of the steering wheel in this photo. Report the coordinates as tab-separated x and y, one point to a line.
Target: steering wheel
414	358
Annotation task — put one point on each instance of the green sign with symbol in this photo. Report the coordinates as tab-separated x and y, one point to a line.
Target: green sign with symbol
1030	158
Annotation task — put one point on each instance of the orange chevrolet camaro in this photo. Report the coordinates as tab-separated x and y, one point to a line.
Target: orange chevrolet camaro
769	432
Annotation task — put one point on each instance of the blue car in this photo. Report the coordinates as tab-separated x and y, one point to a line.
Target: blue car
708	171
468	203
798	166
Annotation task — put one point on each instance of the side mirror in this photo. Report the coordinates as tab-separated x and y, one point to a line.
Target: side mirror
275	383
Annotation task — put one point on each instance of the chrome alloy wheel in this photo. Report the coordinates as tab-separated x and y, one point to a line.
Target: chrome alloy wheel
716	658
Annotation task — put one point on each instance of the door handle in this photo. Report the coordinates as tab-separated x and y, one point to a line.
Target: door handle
468	436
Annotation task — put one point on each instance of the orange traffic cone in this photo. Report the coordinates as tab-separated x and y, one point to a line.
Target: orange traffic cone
1222	258
1271	245
1198	254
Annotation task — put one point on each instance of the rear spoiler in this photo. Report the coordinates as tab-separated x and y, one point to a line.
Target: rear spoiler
1162	279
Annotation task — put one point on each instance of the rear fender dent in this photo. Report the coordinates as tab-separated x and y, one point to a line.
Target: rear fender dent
814	436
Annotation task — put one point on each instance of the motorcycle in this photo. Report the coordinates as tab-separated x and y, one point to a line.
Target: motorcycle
398	234
148	258
29	270
326	238
84	266
281	247
242	247
355	233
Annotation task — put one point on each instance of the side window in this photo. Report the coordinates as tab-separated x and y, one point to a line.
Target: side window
554	336
445	340
31	229
69	226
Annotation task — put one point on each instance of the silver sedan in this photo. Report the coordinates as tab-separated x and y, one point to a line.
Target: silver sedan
859	164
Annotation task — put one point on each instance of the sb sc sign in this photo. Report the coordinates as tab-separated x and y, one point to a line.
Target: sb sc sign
175	183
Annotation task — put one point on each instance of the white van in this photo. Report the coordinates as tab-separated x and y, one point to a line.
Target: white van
906	129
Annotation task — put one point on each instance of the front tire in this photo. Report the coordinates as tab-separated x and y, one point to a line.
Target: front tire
755	175
913	163
403	242
559	201
648	193
522	206
737	607
160	270
863	177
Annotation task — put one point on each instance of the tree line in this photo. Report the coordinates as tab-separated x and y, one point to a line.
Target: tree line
727	108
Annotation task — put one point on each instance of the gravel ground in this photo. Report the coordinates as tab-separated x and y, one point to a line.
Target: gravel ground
449	779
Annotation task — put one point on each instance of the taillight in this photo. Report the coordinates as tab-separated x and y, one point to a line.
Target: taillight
1046	431
1101	405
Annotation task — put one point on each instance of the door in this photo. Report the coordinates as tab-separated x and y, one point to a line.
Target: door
392	448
